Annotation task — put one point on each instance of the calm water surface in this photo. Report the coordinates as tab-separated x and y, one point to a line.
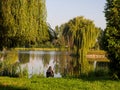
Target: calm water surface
37	62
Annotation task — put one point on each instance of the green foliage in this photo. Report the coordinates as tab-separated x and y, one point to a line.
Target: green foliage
24	58
23	72
99	44
52	33
37	76
80	35
60	42
22	23
112	35
8	66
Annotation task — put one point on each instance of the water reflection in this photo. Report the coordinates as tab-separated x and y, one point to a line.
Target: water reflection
37	62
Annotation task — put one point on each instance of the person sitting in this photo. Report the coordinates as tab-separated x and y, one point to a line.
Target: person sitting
50	72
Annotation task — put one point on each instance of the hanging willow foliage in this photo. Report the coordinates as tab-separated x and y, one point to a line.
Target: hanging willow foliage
24	21
84	35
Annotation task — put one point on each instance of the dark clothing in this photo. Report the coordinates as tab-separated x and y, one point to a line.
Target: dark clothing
50	72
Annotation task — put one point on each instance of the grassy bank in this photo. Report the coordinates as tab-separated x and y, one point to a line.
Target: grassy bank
7	83
48	49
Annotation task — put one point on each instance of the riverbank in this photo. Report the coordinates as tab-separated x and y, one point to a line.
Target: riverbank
37	49
7	83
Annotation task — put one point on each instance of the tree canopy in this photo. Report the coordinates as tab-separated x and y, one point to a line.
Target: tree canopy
22	22
112	35
80	34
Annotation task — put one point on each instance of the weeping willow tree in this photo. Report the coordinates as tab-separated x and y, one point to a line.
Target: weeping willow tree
23	22
83	34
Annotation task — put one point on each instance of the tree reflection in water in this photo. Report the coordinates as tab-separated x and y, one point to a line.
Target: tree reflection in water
38	62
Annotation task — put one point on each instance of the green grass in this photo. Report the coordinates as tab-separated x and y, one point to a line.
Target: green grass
7	83
48	49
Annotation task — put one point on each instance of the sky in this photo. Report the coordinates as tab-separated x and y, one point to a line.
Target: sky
61	11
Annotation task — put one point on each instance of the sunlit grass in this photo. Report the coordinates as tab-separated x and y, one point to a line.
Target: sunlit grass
48	49
57	84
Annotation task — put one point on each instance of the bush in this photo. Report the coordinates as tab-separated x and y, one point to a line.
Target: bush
23	72
8	70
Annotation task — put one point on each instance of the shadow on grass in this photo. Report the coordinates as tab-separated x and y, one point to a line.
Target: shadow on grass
96	78
99	75
7	87
91	78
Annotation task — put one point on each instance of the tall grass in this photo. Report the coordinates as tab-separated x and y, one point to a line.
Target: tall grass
10	66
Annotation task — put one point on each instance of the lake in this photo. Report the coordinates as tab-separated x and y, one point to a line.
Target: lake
37	62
